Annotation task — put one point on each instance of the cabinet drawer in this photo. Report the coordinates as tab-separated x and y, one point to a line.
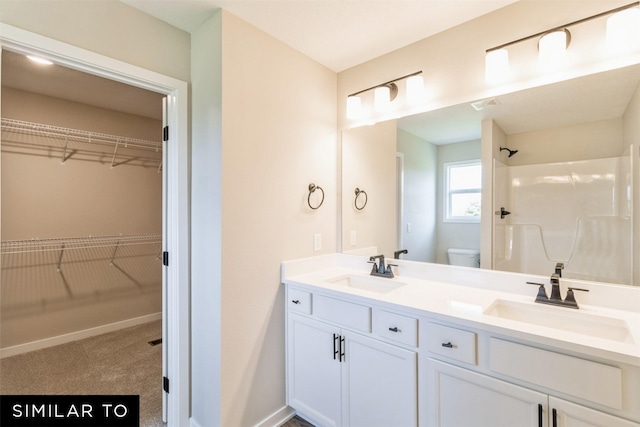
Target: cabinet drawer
299	301
452	343
577	377
403	329
343	312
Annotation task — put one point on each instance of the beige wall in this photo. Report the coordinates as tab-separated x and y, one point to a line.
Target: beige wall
369	163
278	135
43	199
108	27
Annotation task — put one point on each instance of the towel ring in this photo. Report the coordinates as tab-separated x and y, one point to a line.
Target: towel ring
366	199
313	188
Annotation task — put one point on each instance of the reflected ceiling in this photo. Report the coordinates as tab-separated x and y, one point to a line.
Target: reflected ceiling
595	97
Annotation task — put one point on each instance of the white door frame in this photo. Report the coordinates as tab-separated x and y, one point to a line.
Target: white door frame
176	193
400	200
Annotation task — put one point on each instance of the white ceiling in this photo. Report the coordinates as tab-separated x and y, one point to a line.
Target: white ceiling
336	33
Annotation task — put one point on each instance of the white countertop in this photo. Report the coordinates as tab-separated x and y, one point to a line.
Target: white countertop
466	296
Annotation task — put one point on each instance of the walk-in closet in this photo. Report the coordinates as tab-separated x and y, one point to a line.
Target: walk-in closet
81	235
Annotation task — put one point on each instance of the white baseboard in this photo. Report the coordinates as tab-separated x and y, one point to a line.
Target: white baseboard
74	336
278	418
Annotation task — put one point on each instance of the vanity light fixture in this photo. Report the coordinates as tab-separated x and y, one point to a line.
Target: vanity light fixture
553	43
384	94
39	60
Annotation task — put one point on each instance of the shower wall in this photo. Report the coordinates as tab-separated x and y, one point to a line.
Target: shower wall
576	212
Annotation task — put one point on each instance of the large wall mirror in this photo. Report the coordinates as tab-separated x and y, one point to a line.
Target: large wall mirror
564	172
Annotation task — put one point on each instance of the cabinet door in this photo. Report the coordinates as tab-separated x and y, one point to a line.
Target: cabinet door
458	397
567	414
381	384
313	375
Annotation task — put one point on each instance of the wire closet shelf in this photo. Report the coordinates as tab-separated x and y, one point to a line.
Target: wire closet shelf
77	135
74	243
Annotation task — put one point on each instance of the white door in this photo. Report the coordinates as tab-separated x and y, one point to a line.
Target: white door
567	414
382	387
314	371
458	397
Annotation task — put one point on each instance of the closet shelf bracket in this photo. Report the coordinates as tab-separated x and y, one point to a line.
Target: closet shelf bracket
59	267
115	150
113	256
64	152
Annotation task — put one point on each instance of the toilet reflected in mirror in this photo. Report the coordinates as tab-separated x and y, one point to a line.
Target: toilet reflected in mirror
464	257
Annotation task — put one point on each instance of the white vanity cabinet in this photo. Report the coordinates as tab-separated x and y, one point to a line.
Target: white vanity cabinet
468	383
341	374
567	414
458	397
433	353
314	373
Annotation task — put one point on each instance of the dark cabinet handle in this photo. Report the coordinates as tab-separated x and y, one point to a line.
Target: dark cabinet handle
539	415
342	348
447	344
394	329
335	345
295	301
554	419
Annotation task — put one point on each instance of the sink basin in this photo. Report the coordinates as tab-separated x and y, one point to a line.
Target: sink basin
565	319
368	283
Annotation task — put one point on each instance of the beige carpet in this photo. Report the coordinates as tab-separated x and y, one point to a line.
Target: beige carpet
120	362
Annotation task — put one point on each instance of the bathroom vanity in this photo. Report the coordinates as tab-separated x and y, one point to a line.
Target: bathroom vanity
448	346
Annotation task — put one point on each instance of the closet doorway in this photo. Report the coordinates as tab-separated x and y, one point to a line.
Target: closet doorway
82	216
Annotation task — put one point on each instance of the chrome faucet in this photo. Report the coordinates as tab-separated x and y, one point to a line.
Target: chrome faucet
379	269
556	298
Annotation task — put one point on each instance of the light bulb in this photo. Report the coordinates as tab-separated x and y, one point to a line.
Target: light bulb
415	89
496	64
354	107
552	48
623	30
39	60
382	98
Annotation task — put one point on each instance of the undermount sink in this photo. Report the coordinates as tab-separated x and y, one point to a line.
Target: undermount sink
565	319
368	283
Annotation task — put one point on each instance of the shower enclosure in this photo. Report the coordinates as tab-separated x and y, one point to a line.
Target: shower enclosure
578	213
